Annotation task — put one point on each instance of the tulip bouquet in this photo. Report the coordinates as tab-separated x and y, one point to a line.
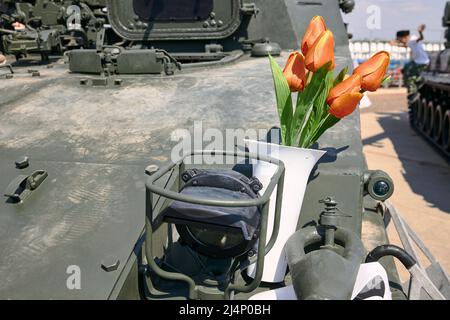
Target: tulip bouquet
322	99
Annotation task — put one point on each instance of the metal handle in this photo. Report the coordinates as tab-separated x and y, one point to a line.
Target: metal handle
163	192
7	66
390	250
22	186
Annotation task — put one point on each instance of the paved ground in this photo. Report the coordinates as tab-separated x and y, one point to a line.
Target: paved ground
421	176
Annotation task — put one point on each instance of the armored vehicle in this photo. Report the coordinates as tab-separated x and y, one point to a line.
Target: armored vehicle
430	109
96	206
46	27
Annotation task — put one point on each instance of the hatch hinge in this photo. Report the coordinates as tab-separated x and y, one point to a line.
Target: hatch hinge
10	69
249	9
115	60
22	186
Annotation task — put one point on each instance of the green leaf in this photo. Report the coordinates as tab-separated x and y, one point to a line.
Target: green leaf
284	99
340	76
297	140
308	111
304	122
321	102
316	81
328	122
386	81
286	121
311	105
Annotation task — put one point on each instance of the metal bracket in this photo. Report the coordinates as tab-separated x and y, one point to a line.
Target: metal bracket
7	66
213	48
153	188
100	39
330	216
434	280
249	9
22	186
170	63
330	219
114	60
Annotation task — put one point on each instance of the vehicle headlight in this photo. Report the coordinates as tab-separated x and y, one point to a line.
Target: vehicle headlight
378	185
217	232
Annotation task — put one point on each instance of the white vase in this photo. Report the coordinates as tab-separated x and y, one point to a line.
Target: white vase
298	165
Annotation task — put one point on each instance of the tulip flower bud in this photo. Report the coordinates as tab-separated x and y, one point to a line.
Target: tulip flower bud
316	27
373	71
295	72
321	53
345	104
349	85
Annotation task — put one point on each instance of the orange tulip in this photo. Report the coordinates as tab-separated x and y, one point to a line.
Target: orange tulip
316	27
345	104
349	85
321	52
374	70
295	72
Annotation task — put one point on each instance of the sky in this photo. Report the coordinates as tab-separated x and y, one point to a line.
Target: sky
381	19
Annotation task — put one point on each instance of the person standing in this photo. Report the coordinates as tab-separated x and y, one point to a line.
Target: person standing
419	57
